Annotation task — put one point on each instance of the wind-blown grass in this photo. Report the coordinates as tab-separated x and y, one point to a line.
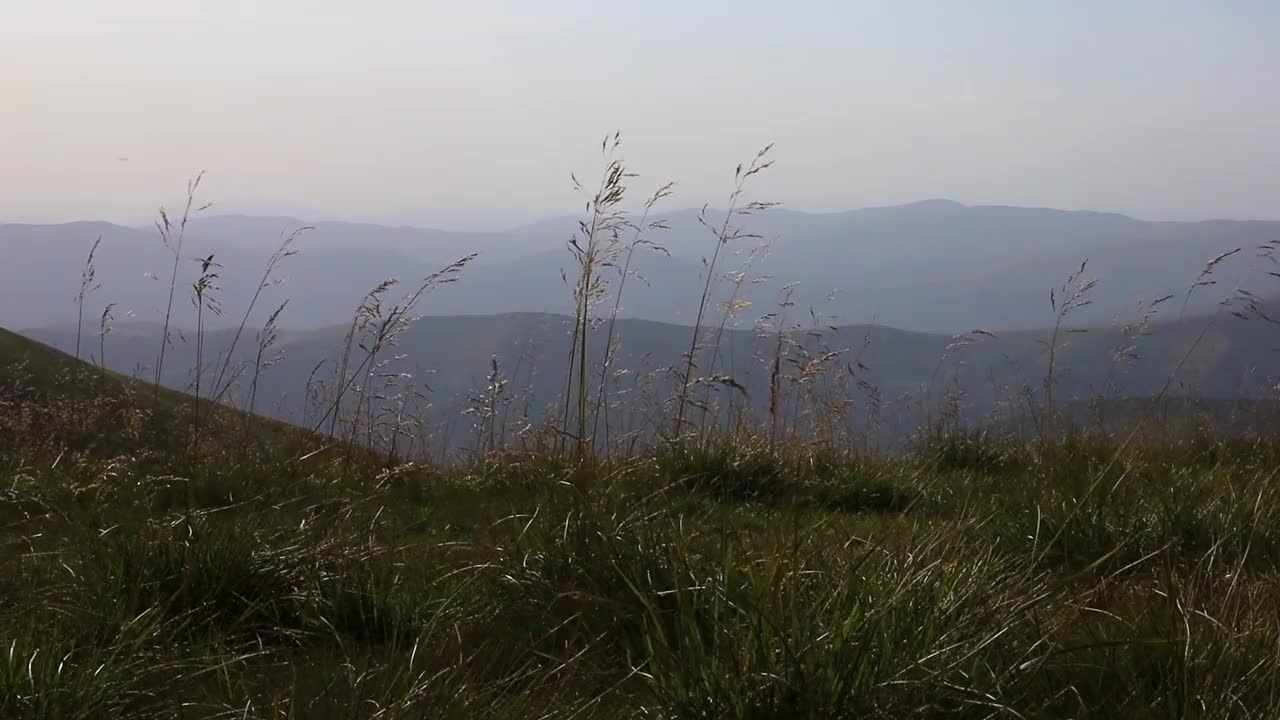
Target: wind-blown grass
163	560
739	583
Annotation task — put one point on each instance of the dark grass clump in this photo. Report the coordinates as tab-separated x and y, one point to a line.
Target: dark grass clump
964	450
745	470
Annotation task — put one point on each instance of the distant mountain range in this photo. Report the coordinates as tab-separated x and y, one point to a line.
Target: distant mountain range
934	266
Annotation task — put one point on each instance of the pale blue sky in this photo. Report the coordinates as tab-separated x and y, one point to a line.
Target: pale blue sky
421	110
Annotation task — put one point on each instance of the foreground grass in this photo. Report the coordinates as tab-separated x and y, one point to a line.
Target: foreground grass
733	583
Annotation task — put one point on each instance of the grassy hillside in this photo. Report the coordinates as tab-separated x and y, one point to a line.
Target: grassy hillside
975	578
658	523
50	399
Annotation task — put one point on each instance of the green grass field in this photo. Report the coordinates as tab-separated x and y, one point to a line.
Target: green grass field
143	577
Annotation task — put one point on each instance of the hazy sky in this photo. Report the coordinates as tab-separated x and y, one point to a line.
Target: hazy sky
429	111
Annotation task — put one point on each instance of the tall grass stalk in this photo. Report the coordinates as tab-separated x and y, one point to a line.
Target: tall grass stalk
221	383
780	338
1073	295
593	247
104	329
376	328
369	308
173	236
312	390
723	234
735	303
639	239
262	359
487	407
204	297
1203	280
88	284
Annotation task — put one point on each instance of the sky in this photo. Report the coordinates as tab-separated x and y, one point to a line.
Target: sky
475	113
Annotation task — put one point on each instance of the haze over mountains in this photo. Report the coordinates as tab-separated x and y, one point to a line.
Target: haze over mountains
884	373
933	266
